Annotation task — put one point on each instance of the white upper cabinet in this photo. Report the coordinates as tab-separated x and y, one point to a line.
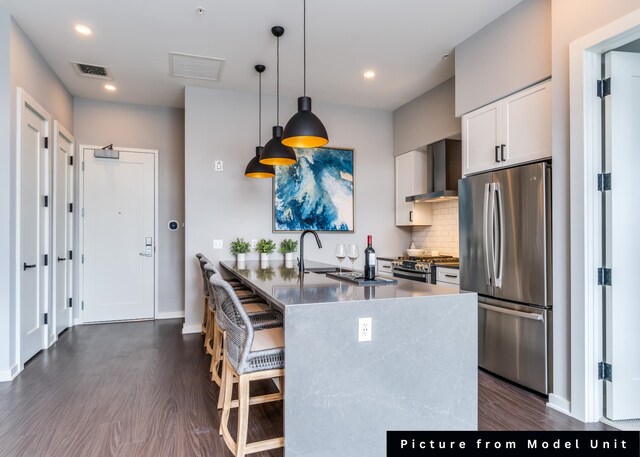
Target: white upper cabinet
513	130
411	179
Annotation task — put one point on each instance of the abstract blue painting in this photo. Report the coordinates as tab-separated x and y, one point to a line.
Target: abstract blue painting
316	192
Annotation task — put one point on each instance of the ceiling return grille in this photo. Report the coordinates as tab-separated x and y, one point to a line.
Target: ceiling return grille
198	67
90	70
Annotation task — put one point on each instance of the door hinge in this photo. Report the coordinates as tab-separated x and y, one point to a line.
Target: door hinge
70	255
70	160
605	371
82	305
46	142
46	260
604	181
71	207
604	276
82	212
46	201
82	258
46	318
604	87
70	302
82	166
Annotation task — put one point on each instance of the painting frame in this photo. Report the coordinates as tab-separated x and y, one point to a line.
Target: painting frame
295	226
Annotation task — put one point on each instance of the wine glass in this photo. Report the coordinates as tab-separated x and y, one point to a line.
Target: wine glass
352	253
340	253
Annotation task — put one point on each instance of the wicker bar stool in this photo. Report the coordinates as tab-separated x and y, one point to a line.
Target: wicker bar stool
250	355
205	290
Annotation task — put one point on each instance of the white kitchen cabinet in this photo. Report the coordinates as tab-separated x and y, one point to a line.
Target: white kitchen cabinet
449	277
383	267
411	179
516	129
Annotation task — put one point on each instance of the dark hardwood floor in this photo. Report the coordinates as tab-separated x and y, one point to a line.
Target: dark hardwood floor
142	389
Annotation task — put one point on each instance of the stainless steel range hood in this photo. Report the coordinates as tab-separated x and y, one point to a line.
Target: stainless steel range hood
444	168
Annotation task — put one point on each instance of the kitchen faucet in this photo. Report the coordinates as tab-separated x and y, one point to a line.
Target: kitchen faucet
301	260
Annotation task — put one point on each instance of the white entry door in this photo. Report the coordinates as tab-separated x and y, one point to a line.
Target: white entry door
622	136
33	232
119	235
62	256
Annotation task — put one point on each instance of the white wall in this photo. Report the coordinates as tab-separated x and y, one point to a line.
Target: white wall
27	69
147	127
509	54
222	125
443	234
571	19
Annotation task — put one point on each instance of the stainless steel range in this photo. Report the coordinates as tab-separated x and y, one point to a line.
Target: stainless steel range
421	269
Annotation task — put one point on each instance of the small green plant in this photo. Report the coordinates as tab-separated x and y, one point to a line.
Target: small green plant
288	246
265	246
240	246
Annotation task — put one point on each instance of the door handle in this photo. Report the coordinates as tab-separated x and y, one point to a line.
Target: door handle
143	254
499	249
61	259
512	312
451	276
487	231
502	152
410	216
26	267
498	154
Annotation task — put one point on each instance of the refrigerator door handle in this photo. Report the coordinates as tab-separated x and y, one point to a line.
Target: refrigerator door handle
512	312
487	227
499	252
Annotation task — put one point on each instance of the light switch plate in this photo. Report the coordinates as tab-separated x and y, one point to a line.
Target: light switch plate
218	165
217	244
253	244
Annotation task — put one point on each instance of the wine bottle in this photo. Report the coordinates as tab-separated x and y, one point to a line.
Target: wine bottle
369	261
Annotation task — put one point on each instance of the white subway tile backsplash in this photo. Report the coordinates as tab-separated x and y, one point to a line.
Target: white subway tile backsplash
442	235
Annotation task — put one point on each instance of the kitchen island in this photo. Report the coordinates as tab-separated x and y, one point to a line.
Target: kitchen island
418	372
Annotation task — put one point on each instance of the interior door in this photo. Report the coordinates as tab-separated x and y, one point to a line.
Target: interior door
473	194
33	216
63	223
119	226
520	237
622	313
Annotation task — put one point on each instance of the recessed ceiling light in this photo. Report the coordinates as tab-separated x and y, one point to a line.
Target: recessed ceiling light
110	87
369	74
83	29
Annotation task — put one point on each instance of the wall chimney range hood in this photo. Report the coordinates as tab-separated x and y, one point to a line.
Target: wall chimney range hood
444	169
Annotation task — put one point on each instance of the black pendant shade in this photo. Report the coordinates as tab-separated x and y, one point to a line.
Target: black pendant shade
275	153
255	169
305	129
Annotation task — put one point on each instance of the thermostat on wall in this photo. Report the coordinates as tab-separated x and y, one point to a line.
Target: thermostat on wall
173	225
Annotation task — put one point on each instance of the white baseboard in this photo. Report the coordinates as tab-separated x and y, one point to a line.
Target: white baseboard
559	404
9	375
193	328
170	315
77	322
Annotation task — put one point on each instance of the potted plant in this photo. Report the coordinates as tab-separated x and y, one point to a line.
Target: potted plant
288	247
240	248
265	247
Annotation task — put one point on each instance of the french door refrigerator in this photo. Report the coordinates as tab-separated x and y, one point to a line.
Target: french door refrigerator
505	256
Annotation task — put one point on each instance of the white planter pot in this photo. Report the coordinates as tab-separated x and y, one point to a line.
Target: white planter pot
241	257
264	257
288	257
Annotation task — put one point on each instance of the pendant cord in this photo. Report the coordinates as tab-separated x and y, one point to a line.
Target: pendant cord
278	81
260	111
304	41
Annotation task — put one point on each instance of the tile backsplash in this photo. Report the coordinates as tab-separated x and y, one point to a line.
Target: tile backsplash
443	234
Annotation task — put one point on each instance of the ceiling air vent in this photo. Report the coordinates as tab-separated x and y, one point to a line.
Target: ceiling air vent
198	67
92	71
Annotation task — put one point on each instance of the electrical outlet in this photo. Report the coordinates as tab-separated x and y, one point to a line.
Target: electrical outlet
364	329
217	244
253	244
218	165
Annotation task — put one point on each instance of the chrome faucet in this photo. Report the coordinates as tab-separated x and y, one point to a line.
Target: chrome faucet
301	260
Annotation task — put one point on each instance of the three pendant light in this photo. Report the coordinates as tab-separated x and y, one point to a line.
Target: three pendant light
304	129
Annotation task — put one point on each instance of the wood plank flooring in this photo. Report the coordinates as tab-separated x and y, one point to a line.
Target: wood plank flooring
142	389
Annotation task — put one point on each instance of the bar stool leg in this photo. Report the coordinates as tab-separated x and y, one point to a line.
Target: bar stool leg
243	415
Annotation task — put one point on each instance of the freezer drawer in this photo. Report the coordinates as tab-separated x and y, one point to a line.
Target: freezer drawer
514	343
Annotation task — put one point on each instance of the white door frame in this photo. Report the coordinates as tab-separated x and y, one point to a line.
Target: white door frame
79	265
58	130
586	211
24	98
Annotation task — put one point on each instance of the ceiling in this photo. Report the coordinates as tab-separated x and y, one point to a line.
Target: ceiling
403	41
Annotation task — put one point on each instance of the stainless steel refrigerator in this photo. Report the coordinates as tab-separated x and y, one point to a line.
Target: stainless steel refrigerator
505	256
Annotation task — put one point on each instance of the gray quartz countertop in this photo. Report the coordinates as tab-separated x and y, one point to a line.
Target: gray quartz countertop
285	287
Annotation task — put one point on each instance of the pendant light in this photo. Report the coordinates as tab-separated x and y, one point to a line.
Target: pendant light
255	169
304	129
274	152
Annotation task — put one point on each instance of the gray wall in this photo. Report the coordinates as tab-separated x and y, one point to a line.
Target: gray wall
148	127
571	19
222	125
30	71
511	53
426	119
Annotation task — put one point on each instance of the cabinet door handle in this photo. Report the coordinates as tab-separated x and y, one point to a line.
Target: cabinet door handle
502	151
61	259
26	267
410	216
451	276
498	154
